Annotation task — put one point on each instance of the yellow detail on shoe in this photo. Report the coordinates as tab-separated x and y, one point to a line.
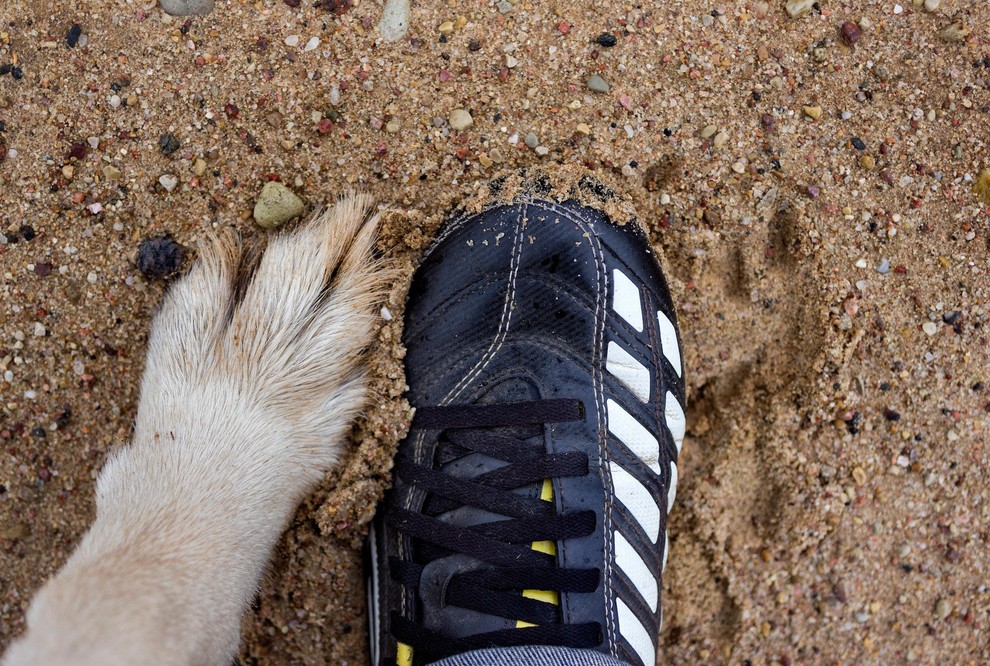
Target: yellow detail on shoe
404	655
548	547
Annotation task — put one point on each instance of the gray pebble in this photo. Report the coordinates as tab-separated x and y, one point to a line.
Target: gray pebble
504	6
395	20
276	205
532	140
597	84
460	120
884	266
187	7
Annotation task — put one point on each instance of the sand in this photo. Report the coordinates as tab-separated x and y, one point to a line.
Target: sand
832	293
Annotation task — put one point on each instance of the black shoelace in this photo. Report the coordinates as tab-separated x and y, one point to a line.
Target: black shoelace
507	561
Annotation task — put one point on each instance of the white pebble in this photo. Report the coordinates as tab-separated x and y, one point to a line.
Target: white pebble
30	395
312	44
386	314
292	40
92	277
930	328
168	181
395	20
898	9
39	329
796	8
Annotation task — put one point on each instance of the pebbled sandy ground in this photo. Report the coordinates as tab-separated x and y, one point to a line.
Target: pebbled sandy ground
832	508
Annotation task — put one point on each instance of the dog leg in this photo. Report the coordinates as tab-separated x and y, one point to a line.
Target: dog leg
252	380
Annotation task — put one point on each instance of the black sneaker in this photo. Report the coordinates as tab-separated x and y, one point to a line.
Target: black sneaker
531	495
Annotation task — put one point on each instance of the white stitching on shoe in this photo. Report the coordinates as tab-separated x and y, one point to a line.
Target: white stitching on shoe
506	318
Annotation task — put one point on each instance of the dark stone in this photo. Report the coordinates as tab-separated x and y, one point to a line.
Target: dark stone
168	143
38	433
73	37
338	7
850	33
27	232
78	150
858	143
606	39
159	257
62	420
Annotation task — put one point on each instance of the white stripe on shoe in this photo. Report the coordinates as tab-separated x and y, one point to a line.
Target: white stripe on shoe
636	376
668	341
631	564
672	490
674	416
626	301
635	633
637	499
631	432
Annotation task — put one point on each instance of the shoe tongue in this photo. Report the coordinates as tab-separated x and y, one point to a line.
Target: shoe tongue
514	389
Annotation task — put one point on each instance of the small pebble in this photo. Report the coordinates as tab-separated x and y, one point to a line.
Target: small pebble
813	112
312	44
720	140
532	140
931	5
813	191
542	151
857	143
797	8
981	186
954	32
158	258
504	6
867	161
168	181
930	328
850	33
606	39
276	205
186	7
168	143
72	39
943	609
883	267
460	120
597	84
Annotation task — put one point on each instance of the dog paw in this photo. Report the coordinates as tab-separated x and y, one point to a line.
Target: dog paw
255	360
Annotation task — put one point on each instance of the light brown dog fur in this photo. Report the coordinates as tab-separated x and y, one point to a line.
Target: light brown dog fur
254	374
